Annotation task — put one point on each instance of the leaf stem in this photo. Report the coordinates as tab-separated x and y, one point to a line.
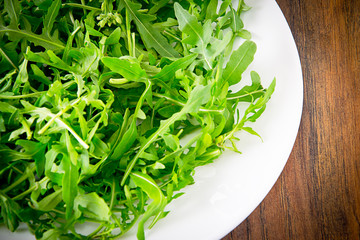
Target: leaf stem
33	188
112	193
128	32
52	120
220	111
20	180
172	35
35	94
245	95
33	36
95	232
82	6
56	117
8	59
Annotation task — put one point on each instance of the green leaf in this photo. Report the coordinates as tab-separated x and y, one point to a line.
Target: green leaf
148	185
172	141
127	67
196	33
114	37
189	25
50	166
251	131
92	206
8	212
198	96
22	77
69	184
6	107
91	31
51	234
7	57
126	142
151	37
256	109
211	10
50	59
2	124
50	17
72	153
37	151
236	22
204	143
224	5
40	75
13	8
216	48
248	93
49	202
50	43
238	63
168	72
12	155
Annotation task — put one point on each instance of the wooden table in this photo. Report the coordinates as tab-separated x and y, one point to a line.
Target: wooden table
318	194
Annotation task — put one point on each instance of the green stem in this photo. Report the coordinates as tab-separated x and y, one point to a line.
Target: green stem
77	5
186	146
240	6
117	222
112	194
20	180
52	120
236	128
56	117
83	4
245	95
220	111
172	35
8	59
11	97
31	35
33	188
141	99
128	32
91	235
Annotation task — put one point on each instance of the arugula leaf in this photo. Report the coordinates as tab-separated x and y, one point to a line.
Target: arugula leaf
93	206
248	93
50	17
49	202
69	184
197	34
13	9
37	151
127	67
45	41
168	72
8	212
152	38
158	204
240	59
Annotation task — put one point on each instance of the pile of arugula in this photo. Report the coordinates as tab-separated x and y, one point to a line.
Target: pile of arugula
95	99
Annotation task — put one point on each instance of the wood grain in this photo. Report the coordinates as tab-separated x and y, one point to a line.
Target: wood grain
318	194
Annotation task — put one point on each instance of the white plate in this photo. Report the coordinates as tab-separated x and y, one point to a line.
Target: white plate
228	190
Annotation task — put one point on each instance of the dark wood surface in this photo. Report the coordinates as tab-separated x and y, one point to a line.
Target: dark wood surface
318	194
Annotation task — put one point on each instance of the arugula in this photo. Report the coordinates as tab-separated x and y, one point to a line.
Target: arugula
97	98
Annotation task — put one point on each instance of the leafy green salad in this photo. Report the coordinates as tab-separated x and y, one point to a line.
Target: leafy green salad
108	106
